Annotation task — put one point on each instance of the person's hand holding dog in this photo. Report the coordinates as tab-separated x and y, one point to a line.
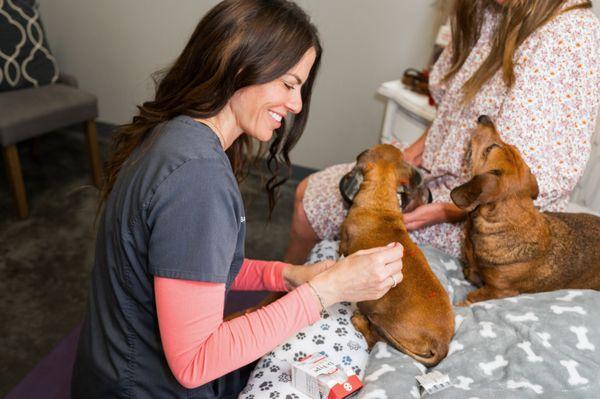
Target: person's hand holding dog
434	213
363	276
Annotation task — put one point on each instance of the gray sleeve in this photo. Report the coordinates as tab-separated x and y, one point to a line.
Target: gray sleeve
194	220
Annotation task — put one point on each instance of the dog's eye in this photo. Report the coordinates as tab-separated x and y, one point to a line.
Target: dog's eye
496	172
490	148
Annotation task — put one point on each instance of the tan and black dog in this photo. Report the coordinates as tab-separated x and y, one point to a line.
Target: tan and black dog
511	247
416	316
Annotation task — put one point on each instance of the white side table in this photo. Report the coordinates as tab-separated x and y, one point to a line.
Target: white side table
407	114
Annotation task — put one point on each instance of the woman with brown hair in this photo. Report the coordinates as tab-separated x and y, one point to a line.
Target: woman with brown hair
171	232
533	66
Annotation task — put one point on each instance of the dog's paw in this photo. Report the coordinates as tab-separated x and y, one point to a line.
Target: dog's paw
463	304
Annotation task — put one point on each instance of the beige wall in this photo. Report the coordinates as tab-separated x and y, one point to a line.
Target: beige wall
113	46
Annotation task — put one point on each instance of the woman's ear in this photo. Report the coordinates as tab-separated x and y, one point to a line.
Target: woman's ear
479	190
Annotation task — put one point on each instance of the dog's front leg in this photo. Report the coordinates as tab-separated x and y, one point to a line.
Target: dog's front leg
487	292
470	269
363	326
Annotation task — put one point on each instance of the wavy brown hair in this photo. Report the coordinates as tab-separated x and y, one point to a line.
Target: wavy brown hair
518	20
238	43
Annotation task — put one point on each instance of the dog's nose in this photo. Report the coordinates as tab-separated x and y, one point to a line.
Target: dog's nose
484	120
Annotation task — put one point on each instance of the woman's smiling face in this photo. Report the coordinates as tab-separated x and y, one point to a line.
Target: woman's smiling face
259	109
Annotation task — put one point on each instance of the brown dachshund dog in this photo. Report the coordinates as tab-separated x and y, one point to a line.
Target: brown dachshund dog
416	316
511	247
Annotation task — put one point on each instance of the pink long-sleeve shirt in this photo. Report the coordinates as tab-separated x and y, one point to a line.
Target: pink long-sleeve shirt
200	346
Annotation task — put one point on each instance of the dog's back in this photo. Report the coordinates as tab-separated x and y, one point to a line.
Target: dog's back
416	316
575	253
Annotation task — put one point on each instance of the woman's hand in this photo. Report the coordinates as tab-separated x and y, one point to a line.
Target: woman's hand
430	214
363	276
295	275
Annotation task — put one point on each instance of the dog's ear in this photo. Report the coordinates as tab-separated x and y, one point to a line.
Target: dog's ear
534	190
476	191
415	177
367	166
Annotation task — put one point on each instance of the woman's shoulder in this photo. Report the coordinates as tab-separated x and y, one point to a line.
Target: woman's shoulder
579	23
184	138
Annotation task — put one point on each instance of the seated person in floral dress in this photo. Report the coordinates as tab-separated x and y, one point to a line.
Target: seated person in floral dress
533	67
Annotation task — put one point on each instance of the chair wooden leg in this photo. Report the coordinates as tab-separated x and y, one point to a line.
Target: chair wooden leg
15	177
91	140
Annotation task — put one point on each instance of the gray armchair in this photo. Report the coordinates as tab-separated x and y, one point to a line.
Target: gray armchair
32	112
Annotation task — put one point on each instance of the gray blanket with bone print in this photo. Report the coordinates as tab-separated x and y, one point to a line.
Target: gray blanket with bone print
543	345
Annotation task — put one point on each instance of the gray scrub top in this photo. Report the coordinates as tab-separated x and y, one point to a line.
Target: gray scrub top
175	211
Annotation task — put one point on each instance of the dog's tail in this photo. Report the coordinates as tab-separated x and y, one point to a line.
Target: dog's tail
436	351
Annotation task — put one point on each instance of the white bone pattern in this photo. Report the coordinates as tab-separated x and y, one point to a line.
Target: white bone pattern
529	316
545	337
516	299
375	394
464	383
531	356
374	376
570	296
583	342
455	346
562	309
498	362
450	265
574	377
460	282
382	351
524	384
487	330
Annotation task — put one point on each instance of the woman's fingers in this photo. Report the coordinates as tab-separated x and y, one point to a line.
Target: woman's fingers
396	279
373	250
389	254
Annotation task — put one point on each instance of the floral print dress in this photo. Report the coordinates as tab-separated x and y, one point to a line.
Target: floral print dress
549	114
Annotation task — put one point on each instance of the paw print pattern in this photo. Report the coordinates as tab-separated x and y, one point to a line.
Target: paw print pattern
324	314
343	311
318	339
341	331
346	303
286	346
274	395
342	321
267	363
353	345
358	335
346	360
338	347
248	388
285	377
325	327
274	368
301	335
356	370
250	397
292	396
265	386
259	374
299	355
